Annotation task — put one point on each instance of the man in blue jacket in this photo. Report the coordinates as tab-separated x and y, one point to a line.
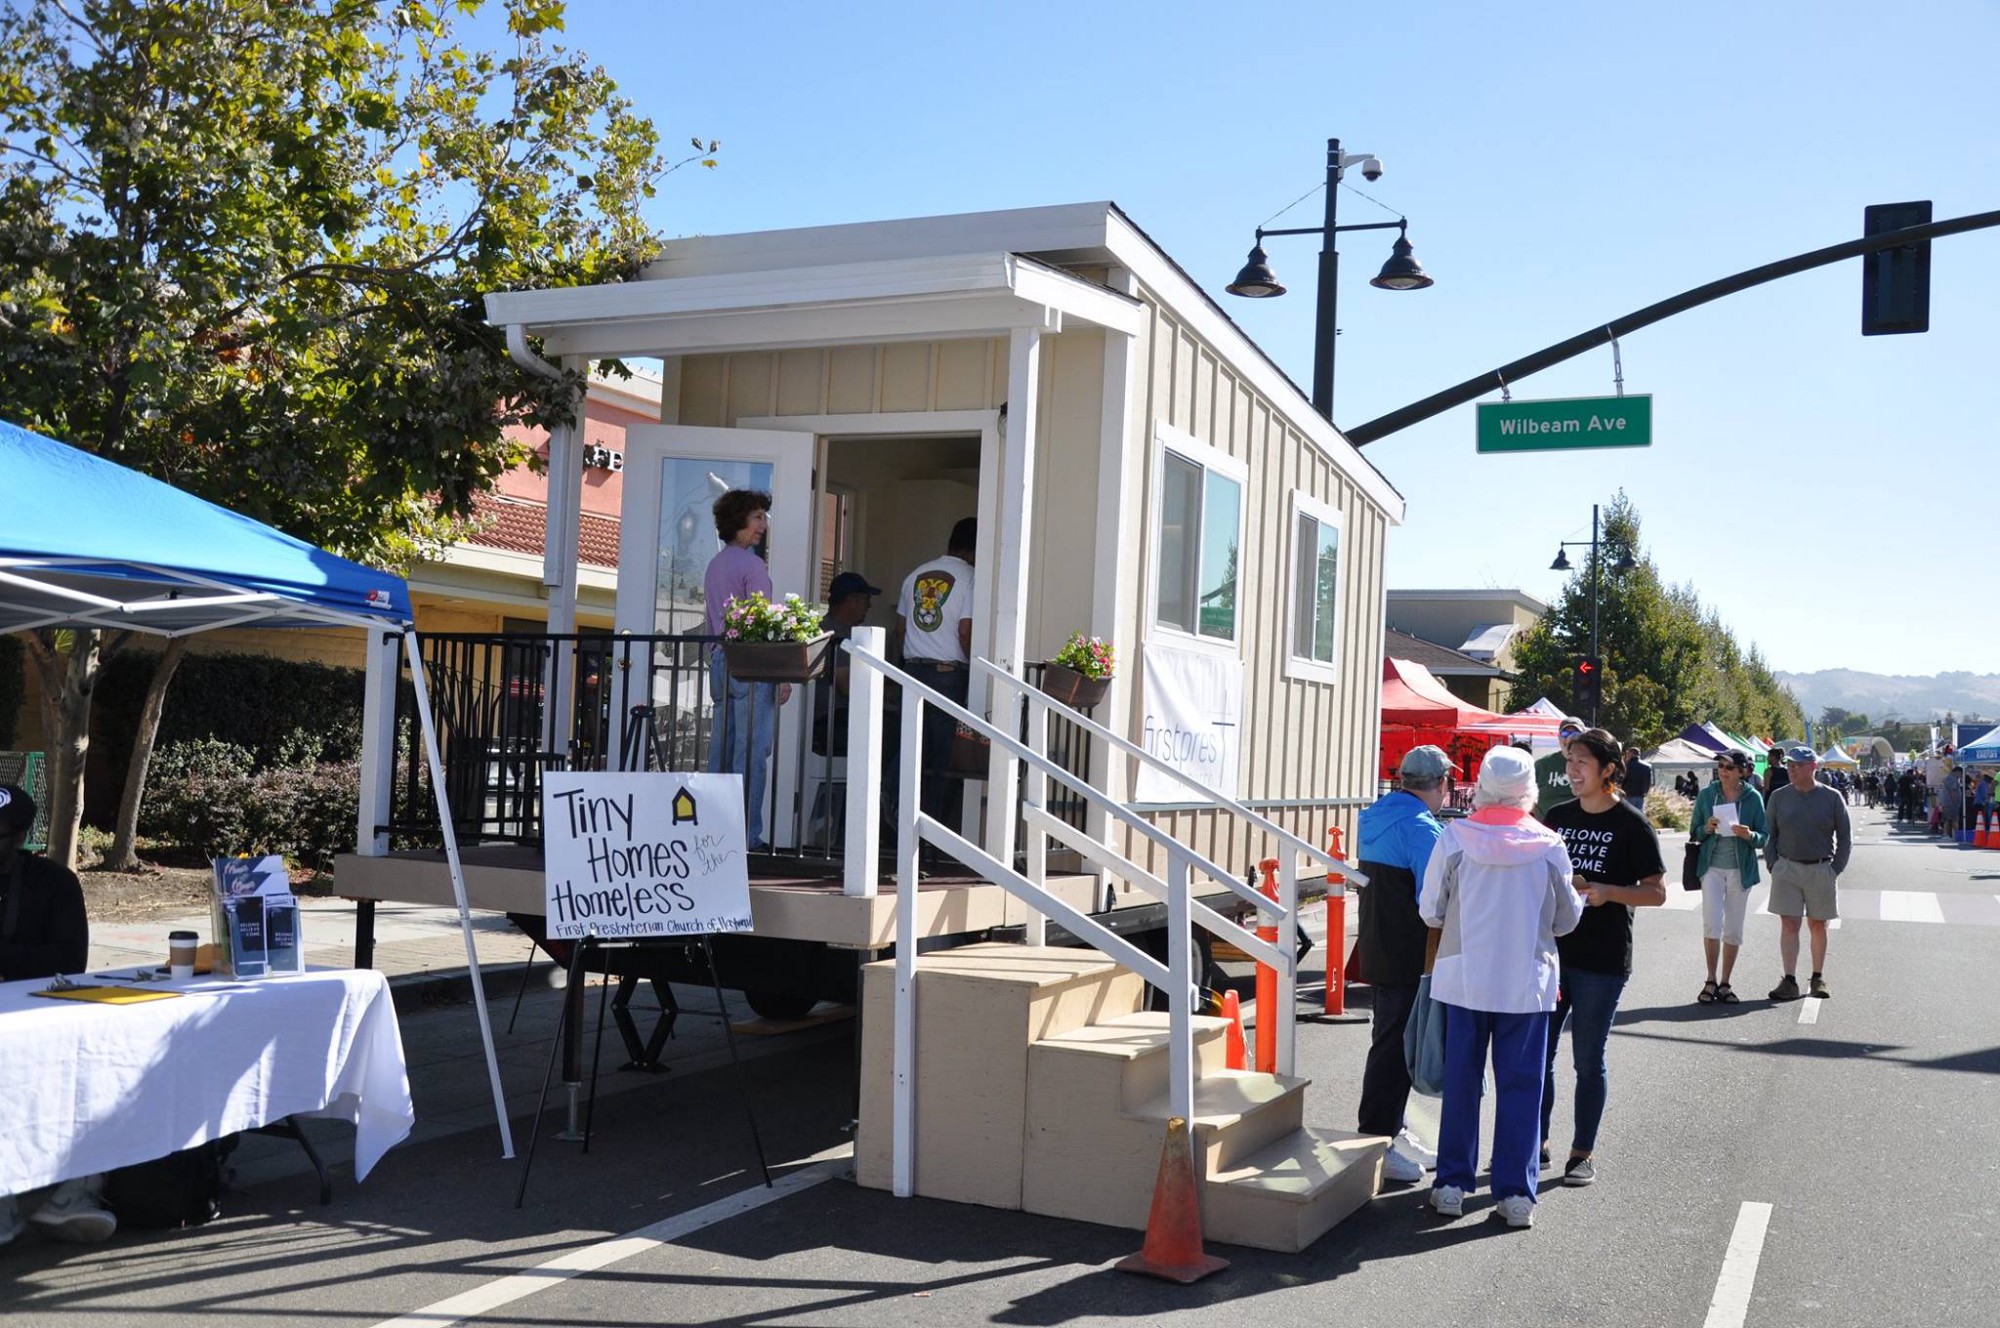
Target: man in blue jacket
1394	843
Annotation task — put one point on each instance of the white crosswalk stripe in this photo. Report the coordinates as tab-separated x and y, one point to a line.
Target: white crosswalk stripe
1963	909
1910	906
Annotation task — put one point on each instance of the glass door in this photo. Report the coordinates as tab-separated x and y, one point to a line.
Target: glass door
673	475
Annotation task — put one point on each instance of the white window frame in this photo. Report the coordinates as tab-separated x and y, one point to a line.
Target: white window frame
1297	666
1166	438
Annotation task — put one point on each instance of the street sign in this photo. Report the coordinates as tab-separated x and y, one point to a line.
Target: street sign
1565	423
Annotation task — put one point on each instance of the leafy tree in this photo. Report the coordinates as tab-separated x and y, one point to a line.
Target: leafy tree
1668	662
243	245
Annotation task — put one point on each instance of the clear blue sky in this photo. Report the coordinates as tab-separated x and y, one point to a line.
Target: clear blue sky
1561	164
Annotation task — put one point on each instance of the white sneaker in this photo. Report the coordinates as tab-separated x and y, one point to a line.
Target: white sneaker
74	1214
11	1223
1447	1201
1412	1147
1402	1170
1518	1210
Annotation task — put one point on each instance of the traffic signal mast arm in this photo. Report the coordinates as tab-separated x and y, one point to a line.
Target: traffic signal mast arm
1509	374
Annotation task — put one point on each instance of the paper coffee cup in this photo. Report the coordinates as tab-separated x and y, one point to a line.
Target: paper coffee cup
181	946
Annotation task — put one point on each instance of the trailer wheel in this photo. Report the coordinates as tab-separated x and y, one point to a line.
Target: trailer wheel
779	1005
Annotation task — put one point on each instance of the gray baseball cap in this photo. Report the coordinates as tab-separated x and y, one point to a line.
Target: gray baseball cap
1427	763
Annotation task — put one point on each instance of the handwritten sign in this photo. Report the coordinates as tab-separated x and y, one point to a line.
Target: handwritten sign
644	854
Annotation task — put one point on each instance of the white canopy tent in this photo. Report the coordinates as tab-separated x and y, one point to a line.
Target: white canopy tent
90	544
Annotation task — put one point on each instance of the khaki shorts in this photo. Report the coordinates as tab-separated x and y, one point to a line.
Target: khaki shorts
1803	888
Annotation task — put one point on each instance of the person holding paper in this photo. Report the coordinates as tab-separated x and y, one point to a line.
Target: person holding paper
44	931
1729	826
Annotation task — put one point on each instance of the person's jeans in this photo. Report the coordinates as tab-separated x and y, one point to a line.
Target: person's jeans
733	746
942	794
1385	1080
1518	1041
1589	1002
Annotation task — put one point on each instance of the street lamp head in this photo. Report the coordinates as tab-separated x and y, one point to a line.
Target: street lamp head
1625	561
1402	271
1256	281
1561	564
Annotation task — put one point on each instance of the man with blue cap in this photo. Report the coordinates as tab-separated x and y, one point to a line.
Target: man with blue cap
1807	843
1393	845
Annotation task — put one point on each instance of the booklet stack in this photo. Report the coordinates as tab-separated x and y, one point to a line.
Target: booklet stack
257	929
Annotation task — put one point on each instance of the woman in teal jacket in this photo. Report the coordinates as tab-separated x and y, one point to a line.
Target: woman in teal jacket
1730	840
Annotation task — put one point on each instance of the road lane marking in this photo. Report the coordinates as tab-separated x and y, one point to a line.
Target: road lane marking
591	1258
1809	1010
1731	1303
1910	906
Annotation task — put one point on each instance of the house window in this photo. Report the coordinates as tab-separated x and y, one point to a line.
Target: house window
1201	524
1315	580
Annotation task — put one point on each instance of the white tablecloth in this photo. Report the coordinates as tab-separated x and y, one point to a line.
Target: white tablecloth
85	1088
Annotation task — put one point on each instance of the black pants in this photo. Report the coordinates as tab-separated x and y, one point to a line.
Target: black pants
1385	1080
943	795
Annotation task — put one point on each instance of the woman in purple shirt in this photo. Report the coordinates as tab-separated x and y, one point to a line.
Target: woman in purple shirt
746	714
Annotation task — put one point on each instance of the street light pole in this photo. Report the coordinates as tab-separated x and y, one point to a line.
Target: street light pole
1326	327
1402	271
1625	564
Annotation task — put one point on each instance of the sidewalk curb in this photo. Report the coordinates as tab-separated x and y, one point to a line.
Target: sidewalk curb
415	992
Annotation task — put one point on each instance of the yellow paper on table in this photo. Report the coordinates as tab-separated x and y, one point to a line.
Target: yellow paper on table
107	995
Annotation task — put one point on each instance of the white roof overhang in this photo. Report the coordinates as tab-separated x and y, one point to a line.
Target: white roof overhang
951	296
777	289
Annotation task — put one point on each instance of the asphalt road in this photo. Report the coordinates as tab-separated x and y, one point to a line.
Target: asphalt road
1864	1146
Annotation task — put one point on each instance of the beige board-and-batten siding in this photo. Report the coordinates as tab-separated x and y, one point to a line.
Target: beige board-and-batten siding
1303	740
919	377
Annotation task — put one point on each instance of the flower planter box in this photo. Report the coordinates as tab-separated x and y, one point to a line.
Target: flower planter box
1071	688
777	661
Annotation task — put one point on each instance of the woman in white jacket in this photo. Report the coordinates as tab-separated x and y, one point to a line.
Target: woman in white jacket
1498	884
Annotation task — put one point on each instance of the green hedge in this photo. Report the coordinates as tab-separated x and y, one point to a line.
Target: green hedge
208	796
13	687
281	712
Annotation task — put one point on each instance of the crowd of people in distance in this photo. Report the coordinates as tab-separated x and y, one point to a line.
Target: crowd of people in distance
1522	914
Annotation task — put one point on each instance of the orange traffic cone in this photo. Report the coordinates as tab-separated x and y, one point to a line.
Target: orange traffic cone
1232	1038
1173	1229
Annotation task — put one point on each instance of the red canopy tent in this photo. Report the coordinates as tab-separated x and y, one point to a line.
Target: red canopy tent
1418	709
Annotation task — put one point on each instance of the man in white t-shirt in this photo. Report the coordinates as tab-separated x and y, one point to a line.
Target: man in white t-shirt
934	637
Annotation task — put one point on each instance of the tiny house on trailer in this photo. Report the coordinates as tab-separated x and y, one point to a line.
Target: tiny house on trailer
1139	469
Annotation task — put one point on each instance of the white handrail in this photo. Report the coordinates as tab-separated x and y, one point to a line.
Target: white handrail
1222	800
1176	977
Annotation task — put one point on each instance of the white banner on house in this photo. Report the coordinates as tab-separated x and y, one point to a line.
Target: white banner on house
644	854
1192	720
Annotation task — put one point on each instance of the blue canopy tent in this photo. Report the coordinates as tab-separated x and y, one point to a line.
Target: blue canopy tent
1983	750
89	543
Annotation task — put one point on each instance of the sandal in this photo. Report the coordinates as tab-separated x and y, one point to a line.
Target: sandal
1725	995
1710	993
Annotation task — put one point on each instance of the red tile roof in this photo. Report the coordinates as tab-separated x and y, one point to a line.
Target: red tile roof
522	527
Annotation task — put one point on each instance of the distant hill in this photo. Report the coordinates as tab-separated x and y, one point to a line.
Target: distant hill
1908	697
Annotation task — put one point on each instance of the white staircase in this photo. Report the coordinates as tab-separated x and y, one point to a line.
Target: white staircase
1044	1088
1027	1077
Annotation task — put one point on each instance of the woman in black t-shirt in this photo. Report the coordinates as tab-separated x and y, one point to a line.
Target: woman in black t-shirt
1618	868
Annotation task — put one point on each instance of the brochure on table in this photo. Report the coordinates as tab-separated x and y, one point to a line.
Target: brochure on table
257	922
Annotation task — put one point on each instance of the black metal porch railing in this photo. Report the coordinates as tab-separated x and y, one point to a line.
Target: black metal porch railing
634	703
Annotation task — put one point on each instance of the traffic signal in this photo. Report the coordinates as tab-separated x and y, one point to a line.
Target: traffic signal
1586	684
1896	283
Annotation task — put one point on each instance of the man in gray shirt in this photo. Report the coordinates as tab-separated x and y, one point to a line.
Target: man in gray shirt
1807	845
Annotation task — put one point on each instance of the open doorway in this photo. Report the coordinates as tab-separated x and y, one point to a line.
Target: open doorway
893	502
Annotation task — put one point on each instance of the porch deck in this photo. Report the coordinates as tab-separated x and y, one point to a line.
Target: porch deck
508	878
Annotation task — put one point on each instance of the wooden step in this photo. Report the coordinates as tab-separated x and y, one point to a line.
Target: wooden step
1128	1055
979	1008
1288	1194
1236	1112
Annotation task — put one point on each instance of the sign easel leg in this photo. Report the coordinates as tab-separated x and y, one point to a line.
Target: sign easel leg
572	997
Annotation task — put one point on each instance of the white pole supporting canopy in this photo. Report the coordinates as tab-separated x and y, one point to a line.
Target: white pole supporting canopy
90	544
